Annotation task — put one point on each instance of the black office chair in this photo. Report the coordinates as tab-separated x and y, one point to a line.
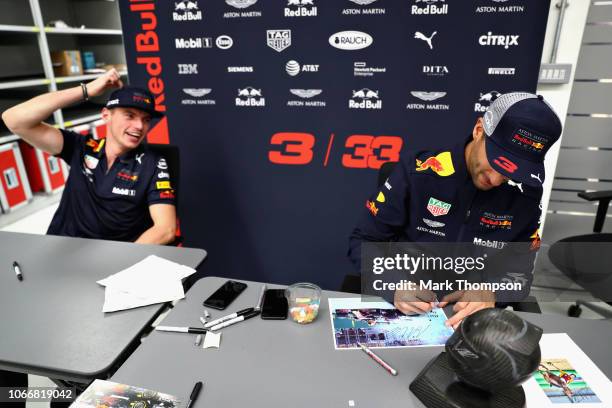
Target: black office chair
172	155
582	263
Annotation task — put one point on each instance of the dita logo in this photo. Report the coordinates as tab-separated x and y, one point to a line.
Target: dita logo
365	99
186	10
428	39
435	70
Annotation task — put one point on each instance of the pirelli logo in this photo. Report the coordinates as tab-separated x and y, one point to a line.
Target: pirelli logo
163	185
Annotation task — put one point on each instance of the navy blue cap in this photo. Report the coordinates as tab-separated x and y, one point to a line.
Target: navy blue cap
521	128
133	97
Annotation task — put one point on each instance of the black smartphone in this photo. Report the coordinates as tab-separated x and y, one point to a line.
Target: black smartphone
274	305
225	295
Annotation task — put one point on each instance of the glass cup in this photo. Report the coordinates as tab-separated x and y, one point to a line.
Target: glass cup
304	299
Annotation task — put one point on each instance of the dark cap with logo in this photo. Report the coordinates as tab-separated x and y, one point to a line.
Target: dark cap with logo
520	127
133	97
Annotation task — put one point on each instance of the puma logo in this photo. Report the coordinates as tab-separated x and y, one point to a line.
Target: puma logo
420	36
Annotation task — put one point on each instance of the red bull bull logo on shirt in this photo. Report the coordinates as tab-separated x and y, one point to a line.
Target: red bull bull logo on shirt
442	164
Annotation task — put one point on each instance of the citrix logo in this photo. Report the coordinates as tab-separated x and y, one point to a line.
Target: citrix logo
502	40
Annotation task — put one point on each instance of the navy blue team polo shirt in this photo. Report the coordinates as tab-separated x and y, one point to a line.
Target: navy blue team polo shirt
112	204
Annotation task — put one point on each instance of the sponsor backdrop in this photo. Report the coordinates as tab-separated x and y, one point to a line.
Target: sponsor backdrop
285	109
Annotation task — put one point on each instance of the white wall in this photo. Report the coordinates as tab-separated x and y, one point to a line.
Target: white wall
559	95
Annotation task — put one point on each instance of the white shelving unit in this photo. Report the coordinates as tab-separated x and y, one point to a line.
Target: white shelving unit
50	81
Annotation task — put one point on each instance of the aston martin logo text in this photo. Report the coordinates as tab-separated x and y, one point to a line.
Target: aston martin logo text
364	11
241	5
500	9
428	96
365	99
198	96
307	94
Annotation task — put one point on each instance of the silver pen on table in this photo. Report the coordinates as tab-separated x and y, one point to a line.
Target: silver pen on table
261	297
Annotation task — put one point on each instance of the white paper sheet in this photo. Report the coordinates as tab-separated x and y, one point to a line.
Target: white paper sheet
152	280
573	372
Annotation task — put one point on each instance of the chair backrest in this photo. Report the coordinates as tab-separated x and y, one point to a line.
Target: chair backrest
384	172
172	155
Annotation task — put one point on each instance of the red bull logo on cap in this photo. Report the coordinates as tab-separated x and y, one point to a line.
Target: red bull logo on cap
442	164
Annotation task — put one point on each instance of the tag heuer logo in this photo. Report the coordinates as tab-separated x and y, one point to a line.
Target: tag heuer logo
437	207
241	4
279	40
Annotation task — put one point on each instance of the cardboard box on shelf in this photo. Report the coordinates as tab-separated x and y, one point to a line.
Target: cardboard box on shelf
67	62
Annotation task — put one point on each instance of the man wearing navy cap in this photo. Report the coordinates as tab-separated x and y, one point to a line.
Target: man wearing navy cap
117	188
486	190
